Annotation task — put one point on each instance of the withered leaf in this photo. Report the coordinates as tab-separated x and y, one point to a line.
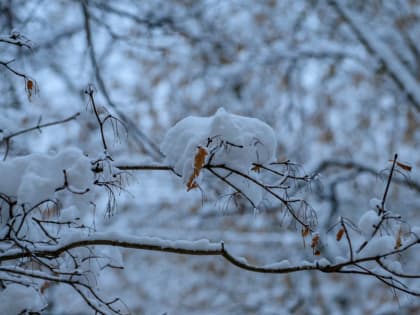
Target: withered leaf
256	168
315	241
404	166
339	234
199	161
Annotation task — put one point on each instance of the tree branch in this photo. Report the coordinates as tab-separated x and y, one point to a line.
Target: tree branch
138	135
197	248
358	167
396	69
16	39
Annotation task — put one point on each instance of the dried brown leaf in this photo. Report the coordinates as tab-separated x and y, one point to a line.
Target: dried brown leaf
315	241
305	231
339	234
404	166
199	162
256	168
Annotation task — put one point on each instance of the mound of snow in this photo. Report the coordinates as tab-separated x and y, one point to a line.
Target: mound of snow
231	140
36	177
368	223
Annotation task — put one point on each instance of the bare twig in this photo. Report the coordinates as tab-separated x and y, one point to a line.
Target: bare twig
226	181
343	226
89	91
16	39
284	201
269	188
382	208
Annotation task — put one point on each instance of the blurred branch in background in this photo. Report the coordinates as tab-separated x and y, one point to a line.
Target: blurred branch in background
133	130
6	139
392	63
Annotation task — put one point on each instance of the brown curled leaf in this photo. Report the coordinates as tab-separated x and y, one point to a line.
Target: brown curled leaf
398	240
199	162
403	166
30	88
315	241
29	85
339	234
256	168
305	231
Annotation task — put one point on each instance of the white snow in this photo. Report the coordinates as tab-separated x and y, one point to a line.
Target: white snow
416	231
278	265
242	260
368	223
374	203
231	140
120	239
340	259
378	246
111	255
323	262
18	298
393	265
36	177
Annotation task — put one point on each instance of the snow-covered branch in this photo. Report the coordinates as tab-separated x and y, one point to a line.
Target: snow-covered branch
17	39
206	248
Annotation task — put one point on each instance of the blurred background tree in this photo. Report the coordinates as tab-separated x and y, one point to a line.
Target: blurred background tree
337	80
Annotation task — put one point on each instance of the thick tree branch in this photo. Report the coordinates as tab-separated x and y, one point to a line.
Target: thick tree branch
201	247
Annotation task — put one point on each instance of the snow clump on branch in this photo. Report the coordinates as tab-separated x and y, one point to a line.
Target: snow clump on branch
37	177
222	139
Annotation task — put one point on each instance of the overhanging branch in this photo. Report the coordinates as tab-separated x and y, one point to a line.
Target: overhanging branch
196	248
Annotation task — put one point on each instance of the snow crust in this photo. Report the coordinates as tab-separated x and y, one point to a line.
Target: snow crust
231	140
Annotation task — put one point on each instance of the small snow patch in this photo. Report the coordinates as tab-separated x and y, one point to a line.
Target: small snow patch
368	223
